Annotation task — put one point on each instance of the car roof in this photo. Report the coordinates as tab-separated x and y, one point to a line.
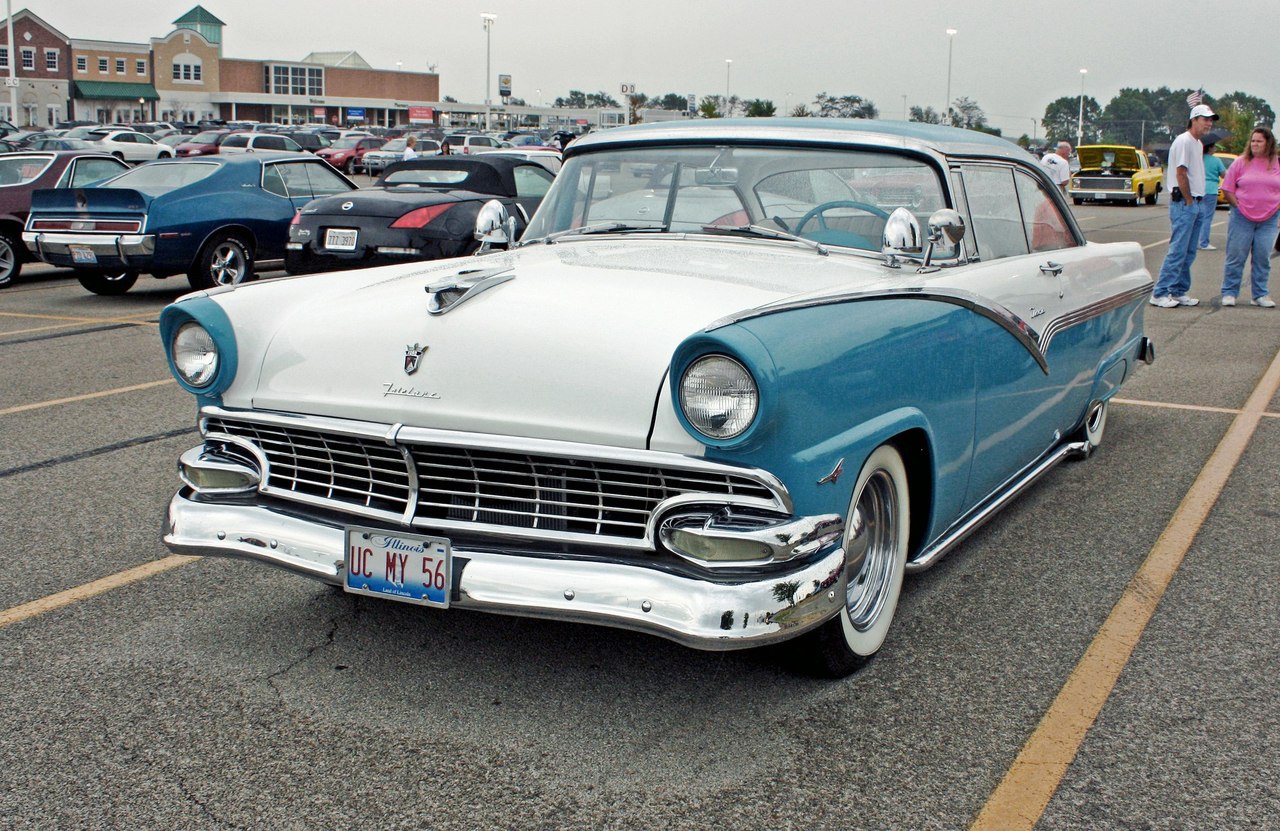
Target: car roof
950	141
484	175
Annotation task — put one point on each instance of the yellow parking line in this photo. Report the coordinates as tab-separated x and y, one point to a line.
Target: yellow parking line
1019	800
21	408
114	581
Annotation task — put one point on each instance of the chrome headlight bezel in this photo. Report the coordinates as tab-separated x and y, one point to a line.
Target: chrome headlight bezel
719	397
194	354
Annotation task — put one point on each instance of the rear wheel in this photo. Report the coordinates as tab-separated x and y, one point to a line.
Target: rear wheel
1153	197
350	167
224	261
875	542
10	258
107	283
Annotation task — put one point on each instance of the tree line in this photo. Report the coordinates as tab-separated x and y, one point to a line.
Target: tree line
1145	117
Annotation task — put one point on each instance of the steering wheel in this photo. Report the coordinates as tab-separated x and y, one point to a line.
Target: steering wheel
819	210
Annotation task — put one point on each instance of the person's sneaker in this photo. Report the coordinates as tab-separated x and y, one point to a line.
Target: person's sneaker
1209	247
1264	301
1186	300
1228	300
1166	302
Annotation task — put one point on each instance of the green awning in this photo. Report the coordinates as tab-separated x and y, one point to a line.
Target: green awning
114	91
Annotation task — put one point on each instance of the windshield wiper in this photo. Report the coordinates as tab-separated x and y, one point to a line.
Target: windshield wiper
767	233
599	228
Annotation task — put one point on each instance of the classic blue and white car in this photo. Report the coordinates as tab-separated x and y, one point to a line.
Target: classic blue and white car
737	379
211	217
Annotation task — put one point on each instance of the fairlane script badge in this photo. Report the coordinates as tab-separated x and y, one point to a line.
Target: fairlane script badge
413	357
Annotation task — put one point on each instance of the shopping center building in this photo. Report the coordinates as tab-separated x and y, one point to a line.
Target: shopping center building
183	76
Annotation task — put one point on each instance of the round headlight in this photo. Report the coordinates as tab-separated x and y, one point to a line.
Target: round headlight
719	397
195	355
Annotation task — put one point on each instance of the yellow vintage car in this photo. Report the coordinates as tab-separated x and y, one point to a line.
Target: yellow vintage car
1115	172
1227	159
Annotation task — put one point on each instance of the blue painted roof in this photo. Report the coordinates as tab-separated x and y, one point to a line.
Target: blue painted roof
947	140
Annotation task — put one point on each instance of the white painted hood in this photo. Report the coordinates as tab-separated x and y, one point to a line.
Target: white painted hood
576	346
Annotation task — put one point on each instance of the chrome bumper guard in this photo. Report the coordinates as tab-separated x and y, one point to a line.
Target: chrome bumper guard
129	248
713	610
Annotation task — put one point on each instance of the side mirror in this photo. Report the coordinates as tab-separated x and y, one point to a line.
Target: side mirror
494	226
901	237
946	224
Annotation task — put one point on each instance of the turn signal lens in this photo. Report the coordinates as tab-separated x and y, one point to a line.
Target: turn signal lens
421	217
195	355
719	397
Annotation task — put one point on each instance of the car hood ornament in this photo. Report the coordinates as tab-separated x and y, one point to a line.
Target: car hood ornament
452	291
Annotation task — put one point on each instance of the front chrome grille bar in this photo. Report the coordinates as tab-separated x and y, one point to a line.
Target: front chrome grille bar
543	490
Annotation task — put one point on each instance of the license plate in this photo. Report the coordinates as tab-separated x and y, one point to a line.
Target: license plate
340	239
406	567
83	254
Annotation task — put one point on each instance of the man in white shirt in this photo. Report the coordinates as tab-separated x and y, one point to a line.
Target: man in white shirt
409	152
1058	165
1184	180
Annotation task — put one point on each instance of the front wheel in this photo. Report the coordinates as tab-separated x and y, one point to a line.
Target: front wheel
875	542
350	167
107	283
10	259
224	261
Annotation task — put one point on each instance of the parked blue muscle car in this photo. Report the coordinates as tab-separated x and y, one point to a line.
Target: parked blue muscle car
211	217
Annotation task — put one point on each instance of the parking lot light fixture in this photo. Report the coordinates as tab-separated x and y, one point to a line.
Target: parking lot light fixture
1080	118
487	19
728	65
951	39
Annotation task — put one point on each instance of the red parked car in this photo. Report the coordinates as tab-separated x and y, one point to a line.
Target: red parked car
347	154
23	173
202	144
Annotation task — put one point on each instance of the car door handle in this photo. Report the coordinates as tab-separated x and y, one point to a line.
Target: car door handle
1052	269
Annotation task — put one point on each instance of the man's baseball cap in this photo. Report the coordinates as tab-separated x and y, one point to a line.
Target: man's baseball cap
1203	111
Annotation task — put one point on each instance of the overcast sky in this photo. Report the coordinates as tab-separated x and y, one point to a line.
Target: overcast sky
1012	58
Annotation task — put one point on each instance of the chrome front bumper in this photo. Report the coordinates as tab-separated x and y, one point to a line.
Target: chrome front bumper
712	610
108	249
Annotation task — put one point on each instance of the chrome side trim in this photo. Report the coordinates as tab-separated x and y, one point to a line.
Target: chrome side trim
1006	319
1086	313
966	525
725	538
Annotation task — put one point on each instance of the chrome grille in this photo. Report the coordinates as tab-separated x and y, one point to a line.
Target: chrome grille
339	469
1100	183
460	486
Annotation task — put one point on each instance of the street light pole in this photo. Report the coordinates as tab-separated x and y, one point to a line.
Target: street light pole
487	18
951	39
1080	118
728	65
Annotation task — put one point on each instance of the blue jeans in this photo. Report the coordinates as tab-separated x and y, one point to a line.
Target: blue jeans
1175	274
1252	240
1207	207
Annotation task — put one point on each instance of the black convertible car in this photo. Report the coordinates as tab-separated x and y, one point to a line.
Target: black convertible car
424	209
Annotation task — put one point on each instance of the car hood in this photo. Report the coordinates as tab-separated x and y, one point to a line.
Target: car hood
575	345
1112	157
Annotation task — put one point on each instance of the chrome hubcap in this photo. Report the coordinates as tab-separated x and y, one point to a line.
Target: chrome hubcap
227	266
869	589
7	259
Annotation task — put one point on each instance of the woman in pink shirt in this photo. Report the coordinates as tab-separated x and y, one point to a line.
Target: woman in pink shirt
1252	187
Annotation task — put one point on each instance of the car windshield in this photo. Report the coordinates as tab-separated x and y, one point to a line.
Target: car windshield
835	197
205	138
393	146
20	170
345	144
154	179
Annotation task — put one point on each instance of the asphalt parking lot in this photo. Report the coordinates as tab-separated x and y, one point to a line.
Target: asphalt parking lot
1102	655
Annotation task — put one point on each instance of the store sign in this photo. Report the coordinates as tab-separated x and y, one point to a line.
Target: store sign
422	115
318	111
355	112
504	86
